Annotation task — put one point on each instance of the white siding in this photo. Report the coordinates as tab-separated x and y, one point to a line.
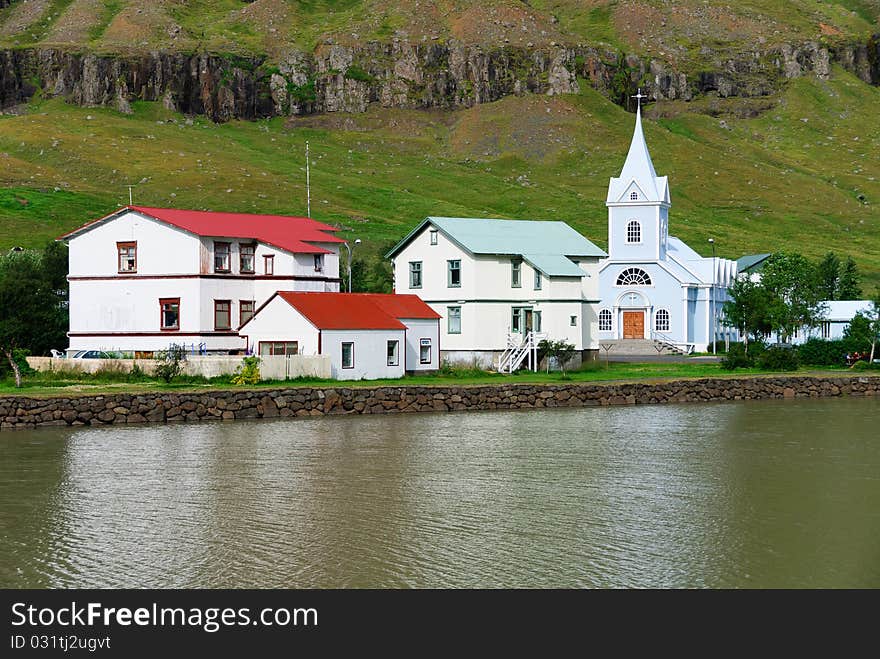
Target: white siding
370	353
416	330
278	321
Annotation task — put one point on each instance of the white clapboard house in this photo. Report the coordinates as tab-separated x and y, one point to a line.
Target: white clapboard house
144	278
367	336
501	285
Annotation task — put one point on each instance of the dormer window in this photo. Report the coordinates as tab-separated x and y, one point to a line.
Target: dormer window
633	231
319	263
246	261
633	196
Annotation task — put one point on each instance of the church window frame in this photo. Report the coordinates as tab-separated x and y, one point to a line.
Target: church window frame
633	232
662	320
633	196
633	277
605	320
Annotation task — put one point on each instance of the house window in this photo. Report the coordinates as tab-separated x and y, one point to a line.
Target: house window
433	234
222	314
573	321
516	274
348	355
319	263
453	315
425	351
454	279
127	256
634	196
415	274
604	320
826	330
634	232
633	277
661	320
393	359
245	311
246	259
169	313
278	348
538	280
269	264
221	257
536	321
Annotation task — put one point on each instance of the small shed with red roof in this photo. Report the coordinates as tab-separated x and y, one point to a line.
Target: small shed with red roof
367	336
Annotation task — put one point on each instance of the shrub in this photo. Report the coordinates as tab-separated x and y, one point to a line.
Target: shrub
778	359
169	366
720	347
455	370
819	352
737	357
248	372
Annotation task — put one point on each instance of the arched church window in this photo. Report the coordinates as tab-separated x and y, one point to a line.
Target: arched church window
634	196
633	277
661	320
634	232
604	320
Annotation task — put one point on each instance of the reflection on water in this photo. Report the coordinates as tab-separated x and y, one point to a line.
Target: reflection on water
747	494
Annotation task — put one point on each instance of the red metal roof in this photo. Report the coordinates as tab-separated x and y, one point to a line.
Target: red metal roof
403	306
292	234
340	311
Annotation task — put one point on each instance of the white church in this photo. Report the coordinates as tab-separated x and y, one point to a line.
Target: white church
657	292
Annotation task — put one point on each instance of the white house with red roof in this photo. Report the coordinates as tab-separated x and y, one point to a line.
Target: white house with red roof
143	278
367	336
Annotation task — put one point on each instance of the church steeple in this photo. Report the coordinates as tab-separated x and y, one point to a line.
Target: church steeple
638	181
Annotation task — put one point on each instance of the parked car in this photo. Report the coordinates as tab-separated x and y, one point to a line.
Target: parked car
94	354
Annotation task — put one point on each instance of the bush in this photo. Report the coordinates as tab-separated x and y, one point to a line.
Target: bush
737	357
778	359
248	372
819	352
169	363
456	370
720	347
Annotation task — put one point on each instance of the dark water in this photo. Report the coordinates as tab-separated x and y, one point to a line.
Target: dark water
732	495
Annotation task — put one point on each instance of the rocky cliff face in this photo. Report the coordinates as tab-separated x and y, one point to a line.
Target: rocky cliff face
337	78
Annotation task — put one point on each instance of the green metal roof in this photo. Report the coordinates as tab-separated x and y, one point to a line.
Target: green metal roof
554	265
748	263
544	244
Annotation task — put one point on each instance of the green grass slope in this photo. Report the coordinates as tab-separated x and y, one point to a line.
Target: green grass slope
671	29
804	175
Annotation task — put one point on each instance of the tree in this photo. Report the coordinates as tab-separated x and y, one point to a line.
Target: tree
828	276
748	309
850	281
789	281
875	323
561	351
33	310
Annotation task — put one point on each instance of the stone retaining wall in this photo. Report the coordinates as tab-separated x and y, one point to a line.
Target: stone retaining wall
165	407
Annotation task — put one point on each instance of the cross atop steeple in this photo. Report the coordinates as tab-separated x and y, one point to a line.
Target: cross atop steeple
639	96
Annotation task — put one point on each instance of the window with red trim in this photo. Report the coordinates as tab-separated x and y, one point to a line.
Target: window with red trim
269	264
221	257
127	257
169	310
222	314
246	258
245	311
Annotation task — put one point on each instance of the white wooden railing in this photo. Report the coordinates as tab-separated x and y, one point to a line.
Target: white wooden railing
520	347
666	341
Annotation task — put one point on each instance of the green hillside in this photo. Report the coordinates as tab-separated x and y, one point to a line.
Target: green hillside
804	175
672	29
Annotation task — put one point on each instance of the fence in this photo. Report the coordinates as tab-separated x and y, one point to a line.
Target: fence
271	368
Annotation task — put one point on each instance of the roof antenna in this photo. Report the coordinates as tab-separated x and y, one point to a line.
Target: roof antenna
130	195
308	185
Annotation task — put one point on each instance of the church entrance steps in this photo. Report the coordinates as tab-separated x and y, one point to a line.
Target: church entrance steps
645	347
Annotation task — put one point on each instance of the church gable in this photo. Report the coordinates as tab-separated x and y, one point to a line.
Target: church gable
633	193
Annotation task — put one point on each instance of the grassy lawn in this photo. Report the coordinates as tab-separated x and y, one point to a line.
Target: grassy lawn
41	386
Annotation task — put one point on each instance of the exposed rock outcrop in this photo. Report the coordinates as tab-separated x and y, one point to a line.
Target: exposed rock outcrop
338	78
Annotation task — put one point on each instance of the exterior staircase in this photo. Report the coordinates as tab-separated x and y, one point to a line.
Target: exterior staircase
519	349
644	347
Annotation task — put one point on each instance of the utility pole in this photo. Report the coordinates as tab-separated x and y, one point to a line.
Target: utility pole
308	185
356	243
